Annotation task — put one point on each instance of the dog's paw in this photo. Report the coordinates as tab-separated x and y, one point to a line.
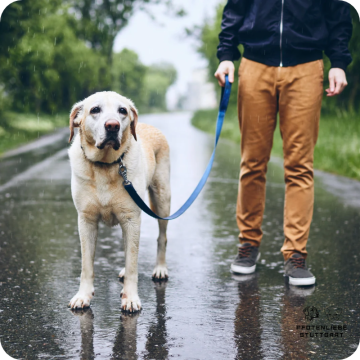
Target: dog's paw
130	303
80	301
122	274
160	272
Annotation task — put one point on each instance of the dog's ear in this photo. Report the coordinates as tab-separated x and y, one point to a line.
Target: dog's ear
74	117
134	119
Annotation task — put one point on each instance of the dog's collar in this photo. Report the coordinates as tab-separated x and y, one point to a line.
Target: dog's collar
118	161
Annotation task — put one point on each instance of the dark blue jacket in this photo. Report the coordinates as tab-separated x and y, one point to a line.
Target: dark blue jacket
286	32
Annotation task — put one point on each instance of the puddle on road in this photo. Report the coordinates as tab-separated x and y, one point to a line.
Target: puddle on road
202	312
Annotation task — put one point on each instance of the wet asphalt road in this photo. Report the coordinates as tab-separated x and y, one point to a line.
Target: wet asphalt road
202	312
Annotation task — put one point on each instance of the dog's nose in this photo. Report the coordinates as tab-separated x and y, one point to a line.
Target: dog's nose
112	126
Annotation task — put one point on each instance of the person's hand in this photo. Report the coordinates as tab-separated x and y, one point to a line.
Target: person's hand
337	80
225	67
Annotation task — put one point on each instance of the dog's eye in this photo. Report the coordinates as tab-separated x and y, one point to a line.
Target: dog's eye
95	110
122	111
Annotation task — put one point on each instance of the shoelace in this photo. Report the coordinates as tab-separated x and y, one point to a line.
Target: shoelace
244	251
298	262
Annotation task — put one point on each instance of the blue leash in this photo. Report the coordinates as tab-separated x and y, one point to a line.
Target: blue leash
225	95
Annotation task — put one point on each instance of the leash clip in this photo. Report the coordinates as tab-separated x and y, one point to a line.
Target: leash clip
123	173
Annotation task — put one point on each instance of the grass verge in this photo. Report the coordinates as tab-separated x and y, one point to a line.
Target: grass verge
337	150
22	128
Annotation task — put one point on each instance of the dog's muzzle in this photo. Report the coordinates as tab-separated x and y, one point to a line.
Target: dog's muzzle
112	128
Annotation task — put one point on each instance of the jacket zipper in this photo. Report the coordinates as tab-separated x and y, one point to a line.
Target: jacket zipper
281	30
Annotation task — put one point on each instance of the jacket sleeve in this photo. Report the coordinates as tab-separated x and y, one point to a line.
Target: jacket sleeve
338	20
233	17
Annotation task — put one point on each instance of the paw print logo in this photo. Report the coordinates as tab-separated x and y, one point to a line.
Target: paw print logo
311	312
333	313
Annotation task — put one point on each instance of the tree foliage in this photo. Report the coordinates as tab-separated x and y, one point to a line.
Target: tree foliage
54	53
99	21
48	68
145	85
128	74
208	36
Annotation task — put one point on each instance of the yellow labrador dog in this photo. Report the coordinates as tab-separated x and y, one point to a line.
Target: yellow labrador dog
108	131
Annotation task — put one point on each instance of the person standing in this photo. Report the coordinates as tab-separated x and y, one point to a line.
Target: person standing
281	72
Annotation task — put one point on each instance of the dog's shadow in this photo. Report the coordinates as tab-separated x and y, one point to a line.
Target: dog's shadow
125	343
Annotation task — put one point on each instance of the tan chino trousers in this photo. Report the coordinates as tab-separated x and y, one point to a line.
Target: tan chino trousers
295	92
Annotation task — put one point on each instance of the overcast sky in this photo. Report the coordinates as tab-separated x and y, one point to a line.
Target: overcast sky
164	40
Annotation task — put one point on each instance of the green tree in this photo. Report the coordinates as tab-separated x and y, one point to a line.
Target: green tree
13	25
49	69
98	22
3	106
15	20
145	85
45	66
208	36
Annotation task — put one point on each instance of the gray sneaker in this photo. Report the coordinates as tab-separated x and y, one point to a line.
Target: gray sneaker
245	262
297	271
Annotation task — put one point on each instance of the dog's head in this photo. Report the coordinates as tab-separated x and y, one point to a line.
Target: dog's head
106	120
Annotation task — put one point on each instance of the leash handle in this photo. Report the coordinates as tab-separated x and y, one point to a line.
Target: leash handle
225	95
224	101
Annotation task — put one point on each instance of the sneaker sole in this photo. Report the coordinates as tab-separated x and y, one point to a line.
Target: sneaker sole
302	281
236	269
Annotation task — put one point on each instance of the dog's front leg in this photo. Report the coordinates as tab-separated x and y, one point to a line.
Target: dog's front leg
130	300
88	235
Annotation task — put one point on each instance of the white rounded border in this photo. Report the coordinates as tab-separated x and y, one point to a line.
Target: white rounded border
5	3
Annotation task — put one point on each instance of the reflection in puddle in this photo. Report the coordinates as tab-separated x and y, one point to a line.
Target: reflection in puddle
247	332
248	327
156	344
125	342
294	300
86	318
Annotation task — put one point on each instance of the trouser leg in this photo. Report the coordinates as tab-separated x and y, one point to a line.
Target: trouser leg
300	95
257	108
